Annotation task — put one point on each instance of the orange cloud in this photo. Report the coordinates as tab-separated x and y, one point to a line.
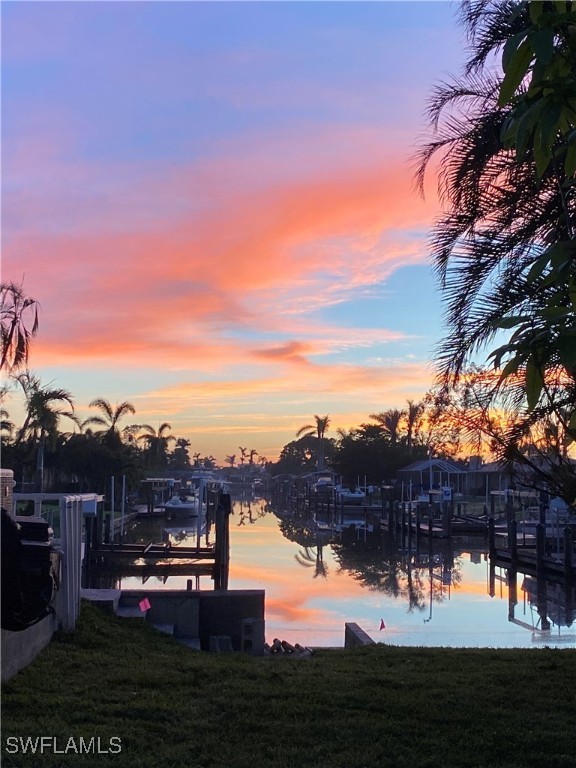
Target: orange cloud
287	610
231	251
293	351
212	275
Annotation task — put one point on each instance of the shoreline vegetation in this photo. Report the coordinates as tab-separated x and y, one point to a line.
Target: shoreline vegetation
141	700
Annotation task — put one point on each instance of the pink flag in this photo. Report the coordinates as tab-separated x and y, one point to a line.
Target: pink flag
144	605
382	625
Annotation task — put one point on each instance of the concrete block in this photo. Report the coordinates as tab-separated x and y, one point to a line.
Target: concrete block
220	644
354	636
130	612
105	599
187	620
167	629
252	636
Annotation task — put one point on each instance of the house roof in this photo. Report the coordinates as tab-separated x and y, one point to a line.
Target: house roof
442	465
490	466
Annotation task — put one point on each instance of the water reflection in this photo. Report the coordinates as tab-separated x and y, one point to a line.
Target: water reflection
318	575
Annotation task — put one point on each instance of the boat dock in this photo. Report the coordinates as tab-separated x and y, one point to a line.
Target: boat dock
105	555
418	526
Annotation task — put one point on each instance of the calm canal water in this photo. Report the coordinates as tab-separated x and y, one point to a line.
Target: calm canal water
315	582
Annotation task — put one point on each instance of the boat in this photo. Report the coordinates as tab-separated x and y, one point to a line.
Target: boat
346	496
186	529
182	506
324	486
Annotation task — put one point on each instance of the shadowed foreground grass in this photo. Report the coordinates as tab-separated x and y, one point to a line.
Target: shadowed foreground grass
155	704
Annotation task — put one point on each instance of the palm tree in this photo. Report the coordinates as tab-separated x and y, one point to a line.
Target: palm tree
309	559
251	455
157	443
231	459
180	458
505	211
413	414
42	417
5	424
318	429
504	249
110	419
389	422
18	325
243	454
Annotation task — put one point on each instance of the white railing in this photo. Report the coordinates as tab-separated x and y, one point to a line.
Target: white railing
67	540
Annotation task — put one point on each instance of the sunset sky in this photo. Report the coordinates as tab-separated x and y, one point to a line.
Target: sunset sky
213	204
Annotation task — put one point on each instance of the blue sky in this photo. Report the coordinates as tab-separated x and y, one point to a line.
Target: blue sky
213	204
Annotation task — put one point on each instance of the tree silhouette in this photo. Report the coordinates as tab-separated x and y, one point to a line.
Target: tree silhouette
318	429
18	325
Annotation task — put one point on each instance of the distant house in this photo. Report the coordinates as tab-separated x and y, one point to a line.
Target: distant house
477	478
472	478
482	479
429	475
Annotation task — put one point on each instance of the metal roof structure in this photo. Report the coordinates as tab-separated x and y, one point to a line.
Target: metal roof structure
440	465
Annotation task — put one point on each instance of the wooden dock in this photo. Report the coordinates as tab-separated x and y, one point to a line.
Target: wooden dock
104	555
150	552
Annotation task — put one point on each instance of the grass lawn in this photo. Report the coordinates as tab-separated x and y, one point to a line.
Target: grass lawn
155	704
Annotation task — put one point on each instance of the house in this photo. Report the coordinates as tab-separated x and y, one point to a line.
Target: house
432	476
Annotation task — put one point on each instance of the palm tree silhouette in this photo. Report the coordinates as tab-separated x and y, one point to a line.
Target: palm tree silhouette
18	325
110	418
413	413
310	559
390	421
158	441
42	417
318	429
5	424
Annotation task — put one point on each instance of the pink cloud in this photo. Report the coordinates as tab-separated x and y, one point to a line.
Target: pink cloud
282	251
214	269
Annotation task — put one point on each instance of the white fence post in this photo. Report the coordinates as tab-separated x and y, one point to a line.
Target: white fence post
71	544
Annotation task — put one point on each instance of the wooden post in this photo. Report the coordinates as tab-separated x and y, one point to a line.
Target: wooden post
542	601
513	539
568	554
512	591
99	526
540	546
447	519
492	579
509	506
222	542
569	589
491	538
